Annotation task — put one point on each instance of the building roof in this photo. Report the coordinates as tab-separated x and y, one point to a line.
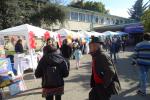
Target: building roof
97	12
116	25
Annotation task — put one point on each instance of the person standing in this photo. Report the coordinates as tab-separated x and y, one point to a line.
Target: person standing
48	64
141	58
67	52
19	47
124	43
77	55
48	42
103	73
107	42
114	49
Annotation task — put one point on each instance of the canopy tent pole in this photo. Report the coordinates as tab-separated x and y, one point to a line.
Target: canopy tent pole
31	54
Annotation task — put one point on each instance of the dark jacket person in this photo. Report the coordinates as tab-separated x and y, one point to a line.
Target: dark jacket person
19	47
103	72
50	60
67	51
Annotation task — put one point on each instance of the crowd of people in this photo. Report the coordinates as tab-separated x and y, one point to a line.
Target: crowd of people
53	67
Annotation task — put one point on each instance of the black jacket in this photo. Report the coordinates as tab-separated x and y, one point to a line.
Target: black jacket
18	48
66	50
116	47
106	65
55	60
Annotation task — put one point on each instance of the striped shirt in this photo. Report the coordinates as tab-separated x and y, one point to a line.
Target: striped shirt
141	54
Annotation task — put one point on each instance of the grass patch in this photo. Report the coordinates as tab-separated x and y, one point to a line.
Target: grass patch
13	52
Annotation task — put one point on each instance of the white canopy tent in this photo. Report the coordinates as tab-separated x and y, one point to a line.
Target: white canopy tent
86	34
122	32
64	32
97	34
23	30
109	32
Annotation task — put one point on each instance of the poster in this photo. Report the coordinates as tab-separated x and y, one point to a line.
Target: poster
2	41
2	52
13	39
134	28
5	65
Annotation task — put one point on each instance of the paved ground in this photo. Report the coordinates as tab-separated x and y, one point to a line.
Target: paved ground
77	85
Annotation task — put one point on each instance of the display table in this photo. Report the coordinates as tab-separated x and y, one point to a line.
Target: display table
24	63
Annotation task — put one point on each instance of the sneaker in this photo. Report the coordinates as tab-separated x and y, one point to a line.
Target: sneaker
141	93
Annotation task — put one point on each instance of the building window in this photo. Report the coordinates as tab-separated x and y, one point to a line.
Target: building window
112	21
81	17
89	18
67	15
121	21
126	22
101	19
117	22
95	19
107	20
74	16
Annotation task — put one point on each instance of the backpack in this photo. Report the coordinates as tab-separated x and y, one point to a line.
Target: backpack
52	76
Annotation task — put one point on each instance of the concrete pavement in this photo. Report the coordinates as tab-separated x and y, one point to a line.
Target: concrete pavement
77	85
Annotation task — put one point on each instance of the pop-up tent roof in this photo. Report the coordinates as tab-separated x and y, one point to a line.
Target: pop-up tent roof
97	34
121	32
23	30
64	32
109	32
86	34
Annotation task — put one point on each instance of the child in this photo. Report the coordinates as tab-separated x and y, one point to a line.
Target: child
77	55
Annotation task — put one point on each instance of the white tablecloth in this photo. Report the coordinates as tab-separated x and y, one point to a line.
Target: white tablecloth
24	63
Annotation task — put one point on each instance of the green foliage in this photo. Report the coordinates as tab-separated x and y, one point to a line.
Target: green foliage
17	12
146	20
138	9
90	5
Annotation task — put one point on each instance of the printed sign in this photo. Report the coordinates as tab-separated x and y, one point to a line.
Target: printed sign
134	28
5	65
13	39
2	52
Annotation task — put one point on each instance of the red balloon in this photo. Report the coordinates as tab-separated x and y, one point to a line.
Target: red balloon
59	36
31	34
33	46
35	43
47	34
44	37
31	40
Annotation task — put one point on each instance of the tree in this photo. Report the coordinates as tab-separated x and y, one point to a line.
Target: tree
94	6
137	10
146	20
17	12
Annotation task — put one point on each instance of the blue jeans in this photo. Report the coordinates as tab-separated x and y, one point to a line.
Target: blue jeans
107	46
68	63
142	77
111	53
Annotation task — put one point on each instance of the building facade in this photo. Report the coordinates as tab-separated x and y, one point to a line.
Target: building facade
81	19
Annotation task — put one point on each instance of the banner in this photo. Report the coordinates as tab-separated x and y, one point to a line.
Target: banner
2	41
5	65
13	39
2	52
134	28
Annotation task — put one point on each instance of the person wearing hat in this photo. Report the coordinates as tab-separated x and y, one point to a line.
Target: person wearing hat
103	72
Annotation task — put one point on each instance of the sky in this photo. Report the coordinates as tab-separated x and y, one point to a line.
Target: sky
116	7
